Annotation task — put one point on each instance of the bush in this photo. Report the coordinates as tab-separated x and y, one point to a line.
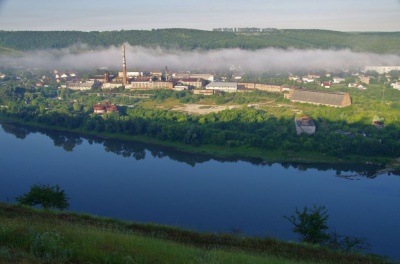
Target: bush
46	196
311	224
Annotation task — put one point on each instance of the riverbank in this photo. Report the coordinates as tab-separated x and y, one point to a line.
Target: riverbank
40	236
245	152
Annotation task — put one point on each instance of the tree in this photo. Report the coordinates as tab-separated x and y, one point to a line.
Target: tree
46	196
311	224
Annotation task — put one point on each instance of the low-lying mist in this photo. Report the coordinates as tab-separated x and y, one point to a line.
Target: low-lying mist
141	59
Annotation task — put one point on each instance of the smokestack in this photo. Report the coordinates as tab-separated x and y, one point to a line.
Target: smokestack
166	73
106	77
123	66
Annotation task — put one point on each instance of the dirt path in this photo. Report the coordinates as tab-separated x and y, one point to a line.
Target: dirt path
202	109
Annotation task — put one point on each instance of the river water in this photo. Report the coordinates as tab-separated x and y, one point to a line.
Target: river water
145	183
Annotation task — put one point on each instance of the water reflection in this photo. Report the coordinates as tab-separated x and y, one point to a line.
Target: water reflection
129	149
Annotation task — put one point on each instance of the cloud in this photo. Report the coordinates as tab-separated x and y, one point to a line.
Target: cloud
142	58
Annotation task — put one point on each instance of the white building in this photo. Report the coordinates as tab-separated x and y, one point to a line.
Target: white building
80	86
230	87
205	76
338	80
396	85
111	85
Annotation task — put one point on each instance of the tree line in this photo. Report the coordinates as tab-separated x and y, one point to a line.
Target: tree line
190	39
241	127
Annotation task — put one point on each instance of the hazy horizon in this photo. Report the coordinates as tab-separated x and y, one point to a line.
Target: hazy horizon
102	15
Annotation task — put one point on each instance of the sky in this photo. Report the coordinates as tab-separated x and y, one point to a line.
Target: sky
104	15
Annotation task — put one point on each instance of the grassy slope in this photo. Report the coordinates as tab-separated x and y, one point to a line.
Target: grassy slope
37	236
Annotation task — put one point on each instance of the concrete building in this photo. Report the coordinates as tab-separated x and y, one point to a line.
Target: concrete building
78	86
263	87
304	124
320	98
191	82
203	91
229	87
111	85
150	85
204	76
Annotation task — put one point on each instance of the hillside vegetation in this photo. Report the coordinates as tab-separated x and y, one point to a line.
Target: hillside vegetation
42	236
189	39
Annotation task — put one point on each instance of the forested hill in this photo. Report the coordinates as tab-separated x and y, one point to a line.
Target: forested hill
189	39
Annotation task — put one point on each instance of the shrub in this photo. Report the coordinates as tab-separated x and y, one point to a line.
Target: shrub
46	196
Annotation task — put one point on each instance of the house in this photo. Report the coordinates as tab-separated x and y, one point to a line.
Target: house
229	87
304	124
105	108
320	98
365	79
326	84
308	80
396	85
356	85
338	80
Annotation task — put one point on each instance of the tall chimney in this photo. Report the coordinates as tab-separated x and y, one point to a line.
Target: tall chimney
166	73
123	66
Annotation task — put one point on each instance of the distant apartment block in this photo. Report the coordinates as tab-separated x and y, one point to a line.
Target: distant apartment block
382	69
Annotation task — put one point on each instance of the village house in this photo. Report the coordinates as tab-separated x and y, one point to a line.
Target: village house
365	79
356	85
308	80
396	85
326	84
304	124
105	108
319	97
338	80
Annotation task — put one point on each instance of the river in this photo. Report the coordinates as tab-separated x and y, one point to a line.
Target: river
146	183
